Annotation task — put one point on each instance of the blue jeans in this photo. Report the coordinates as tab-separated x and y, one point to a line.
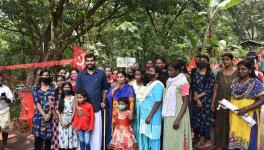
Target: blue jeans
84	137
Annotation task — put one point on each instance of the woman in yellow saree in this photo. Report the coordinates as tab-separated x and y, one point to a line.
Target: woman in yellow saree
248	96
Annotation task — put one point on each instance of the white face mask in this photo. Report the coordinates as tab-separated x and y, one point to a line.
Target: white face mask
67	75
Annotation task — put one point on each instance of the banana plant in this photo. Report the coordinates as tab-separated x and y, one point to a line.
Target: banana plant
214	7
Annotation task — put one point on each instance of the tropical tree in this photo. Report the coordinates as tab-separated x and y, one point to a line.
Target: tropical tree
51	26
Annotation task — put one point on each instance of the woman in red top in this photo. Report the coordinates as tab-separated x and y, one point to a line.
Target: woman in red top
84	123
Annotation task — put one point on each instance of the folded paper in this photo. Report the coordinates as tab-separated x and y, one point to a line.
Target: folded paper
225	104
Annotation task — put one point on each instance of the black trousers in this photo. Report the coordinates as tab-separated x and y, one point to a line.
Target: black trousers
39	142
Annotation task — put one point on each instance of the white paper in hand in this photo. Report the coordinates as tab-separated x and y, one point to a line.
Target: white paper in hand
225	104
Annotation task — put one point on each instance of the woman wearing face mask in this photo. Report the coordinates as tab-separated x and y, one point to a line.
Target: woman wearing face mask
67	135
247	93
177	128
122	89
202	88
150	113
222	90
73	76
42	126
123	136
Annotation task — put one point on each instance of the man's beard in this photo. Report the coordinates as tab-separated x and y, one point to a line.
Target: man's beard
90	67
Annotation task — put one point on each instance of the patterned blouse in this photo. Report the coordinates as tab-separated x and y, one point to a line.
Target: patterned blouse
252	89
41	128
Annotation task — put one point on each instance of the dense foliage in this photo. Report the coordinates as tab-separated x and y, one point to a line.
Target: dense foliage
41	30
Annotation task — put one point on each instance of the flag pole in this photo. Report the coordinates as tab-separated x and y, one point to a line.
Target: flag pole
104	129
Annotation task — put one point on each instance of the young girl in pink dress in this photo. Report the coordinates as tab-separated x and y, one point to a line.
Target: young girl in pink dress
123	137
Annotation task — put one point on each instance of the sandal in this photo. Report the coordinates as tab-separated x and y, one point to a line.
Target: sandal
200	143
206	145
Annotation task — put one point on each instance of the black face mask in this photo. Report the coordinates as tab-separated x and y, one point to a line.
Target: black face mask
201	65
46	80
67	92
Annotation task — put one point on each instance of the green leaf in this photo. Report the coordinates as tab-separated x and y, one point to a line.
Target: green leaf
228	3
214	3
199	17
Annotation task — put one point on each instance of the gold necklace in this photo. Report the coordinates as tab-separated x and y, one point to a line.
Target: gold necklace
227	76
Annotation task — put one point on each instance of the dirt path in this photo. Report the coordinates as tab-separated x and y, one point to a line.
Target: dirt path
19	142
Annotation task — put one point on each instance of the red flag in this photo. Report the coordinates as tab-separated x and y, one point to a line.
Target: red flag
191	64
79	57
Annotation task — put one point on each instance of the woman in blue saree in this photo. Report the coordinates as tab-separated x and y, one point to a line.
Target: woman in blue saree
122	89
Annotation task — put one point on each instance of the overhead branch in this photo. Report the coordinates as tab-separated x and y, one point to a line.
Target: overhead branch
176	14
18	31
110	16
56	15
81	19
33	27
151	19
58	12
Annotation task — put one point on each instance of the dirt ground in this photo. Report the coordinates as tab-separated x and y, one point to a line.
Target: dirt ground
19	141
19	138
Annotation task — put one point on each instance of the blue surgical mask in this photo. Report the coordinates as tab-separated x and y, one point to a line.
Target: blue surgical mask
121	107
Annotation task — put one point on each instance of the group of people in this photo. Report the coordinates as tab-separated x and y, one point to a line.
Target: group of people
159	107
242	86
